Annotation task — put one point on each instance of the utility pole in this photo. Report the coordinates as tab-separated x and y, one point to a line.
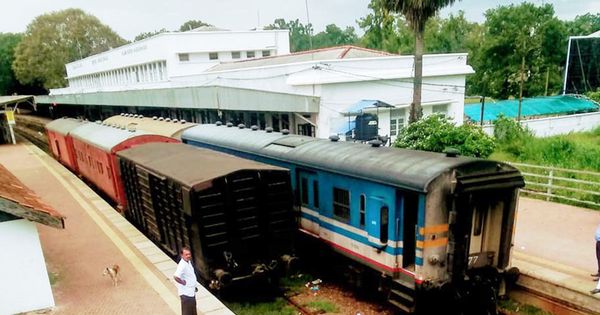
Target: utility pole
521	87
308	26
547	77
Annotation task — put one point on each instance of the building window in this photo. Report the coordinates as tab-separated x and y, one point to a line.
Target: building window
396	121
266	53
235	55
362	210
184	57
316	194
341	204
249	54
213	56
440	109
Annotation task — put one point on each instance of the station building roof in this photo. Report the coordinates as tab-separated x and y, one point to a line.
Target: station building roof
18	201
332	53
531	107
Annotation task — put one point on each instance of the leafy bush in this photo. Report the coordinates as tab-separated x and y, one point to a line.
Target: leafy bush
594	96
508	130
436	133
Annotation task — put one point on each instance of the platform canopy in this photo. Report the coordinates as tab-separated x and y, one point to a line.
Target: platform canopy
15	99
531	107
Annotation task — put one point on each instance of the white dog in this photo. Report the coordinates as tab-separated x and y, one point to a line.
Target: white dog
113	272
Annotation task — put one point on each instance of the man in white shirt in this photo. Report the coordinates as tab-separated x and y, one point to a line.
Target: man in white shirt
186	282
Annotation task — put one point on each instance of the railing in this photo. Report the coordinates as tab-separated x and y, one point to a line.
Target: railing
569	186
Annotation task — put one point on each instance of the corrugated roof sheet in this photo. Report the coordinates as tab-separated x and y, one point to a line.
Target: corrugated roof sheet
341	52
539	106
24	203
14	99
103	136
189	165
163	128
64	125
399	167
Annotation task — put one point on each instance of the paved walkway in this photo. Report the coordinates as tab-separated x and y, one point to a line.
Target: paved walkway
554	248
557	232
95	237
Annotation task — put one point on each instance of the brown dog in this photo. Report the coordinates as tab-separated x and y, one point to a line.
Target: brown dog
113	272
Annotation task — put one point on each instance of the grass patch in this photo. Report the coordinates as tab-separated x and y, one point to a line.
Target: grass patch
295	284
53	277
575	150
515	307
322	306
277	307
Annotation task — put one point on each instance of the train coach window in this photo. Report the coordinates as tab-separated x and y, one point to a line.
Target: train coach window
316	194
383	233
341	204
304	191
362	210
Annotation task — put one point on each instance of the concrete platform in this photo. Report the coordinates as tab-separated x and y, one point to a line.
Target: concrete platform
95	237
554	248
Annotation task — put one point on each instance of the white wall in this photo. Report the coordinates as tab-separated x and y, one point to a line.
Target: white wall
24	284
552	126
166	48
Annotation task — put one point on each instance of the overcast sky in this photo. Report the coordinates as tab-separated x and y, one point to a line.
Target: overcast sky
131	17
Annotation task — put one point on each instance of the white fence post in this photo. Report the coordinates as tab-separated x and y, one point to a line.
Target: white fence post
549	190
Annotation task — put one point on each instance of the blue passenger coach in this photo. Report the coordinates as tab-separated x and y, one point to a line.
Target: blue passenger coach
421	221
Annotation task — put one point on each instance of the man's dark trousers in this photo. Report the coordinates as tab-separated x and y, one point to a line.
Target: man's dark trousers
188	305
598	255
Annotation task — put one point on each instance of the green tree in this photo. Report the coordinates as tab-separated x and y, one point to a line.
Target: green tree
451	35
518	35
8	42
192	24
584	24
417	12
57	38
436	133
334	36
300	34
385	30
148	34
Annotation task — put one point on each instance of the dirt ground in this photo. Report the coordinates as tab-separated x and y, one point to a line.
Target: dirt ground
345	301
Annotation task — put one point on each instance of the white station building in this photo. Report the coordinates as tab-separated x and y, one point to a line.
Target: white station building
250	77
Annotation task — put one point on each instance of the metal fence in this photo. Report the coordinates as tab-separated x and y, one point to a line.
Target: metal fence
561	185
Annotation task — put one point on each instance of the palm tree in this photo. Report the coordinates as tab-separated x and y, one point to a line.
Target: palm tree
417	12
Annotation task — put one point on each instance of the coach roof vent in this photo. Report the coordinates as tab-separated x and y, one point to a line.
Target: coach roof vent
269	129
334	138
175	120
451	152
160	119
375	143
241	126
229	125
168	119
254	127
182	121
218	123
154	118
285	132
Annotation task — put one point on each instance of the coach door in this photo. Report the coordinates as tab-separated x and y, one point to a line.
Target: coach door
308	195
